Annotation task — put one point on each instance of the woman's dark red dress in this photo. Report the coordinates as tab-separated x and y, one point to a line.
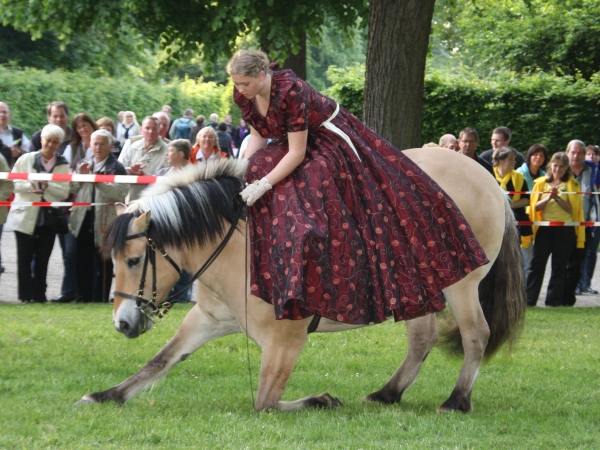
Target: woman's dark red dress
353	240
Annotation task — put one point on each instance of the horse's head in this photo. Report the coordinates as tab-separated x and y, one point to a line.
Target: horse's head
143	275
152	240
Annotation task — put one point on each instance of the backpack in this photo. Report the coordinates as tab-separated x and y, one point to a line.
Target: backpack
183	128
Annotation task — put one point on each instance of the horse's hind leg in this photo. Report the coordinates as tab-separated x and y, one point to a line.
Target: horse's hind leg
196	329
422	336
463	299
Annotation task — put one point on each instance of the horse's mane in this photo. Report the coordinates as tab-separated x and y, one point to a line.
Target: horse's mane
187	207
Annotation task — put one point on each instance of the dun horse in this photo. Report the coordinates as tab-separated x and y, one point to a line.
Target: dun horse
185	220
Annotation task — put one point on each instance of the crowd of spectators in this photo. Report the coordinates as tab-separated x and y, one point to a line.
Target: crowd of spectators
543	188
84	145
539	186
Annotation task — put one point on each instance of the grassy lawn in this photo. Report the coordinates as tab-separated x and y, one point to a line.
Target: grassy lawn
545	395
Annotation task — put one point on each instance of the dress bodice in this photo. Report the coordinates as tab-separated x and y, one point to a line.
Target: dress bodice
294	106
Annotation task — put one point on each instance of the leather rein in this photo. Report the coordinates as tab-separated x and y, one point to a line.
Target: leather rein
151	308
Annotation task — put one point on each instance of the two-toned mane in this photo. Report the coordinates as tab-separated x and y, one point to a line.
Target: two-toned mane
188	215
188	207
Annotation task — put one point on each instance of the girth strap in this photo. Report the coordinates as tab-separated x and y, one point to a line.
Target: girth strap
314	324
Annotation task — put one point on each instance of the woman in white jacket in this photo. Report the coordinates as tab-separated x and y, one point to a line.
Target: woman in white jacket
33	240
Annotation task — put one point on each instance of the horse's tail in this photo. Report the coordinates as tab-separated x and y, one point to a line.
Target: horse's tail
501	293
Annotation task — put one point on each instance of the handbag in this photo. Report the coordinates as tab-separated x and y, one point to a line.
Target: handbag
52	219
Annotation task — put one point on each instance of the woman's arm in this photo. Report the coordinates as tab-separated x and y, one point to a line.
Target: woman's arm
541	204
255	143
287	164
564	204
292	159
520	203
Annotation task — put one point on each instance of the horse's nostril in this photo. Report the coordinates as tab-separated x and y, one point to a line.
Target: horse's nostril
124	327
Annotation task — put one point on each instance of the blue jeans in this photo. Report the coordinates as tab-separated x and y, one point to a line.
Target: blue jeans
592	240
68	244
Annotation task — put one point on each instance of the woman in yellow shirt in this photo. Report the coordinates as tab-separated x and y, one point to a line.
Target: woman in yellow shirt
550	202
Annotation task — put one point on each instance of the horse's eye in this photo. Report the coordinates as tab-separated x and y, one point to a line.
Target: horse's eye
133	262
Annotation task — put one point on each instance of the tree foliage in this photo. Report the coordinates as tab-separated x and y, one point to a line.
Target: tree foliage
334	49
525	36
188	26
93	51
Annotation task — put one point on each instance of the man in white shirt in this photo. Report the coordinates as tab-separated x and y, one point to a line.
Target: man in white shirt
145	156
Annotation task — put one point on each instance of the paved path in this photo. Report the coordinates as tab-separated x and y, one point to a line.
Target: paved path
8	280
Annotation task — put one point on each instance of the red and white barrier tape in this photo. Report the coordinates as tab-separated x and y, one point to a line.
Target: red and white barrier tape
559	224
55	204
87	178
531	192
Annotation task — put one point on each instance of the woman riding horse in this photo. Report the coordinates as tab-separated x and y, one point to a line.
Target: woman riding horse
342	224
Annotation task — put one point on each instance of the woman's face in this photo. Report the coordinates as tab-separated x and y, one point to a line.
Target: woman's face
537	160
507	164
249	87
49	146
175	157
84	129
107	128
242	123
207	141
558	169
128	118
590	155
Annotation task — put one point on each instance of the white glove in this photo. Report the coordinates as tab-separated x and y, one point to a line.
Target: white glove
255	191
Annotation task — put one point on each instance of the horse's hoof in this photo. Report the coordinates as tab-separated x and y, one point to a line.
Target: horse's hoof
456	403
445	410
383	397
323	400
86	400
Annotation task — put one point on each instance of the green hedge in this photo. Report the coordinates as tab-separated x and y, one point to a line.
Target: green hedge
537	108
28	91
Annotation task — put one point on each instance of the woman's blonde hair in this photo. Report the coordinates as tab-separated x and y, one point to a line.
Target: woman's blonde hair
248	63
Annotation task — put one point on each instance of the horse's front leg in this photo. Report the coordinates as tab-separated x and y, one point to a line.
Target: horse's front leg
197	329
282	344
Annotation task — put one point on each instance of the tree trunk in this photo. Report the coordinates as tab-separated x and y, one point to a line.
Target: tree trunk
298	62
395	69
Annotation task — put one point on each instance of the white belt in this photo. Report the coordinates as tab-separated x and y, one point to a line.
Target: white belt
331	127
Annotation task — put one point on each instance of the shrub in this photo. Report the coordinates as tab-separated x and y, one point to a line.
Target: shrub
28	91
537	108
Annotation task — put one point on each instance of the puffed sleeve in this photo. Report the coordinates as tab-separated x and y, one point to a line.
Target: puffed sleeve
296	105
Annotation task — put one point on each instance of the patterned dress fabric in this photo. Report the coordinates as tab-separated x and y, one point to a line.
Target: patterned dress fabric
351	236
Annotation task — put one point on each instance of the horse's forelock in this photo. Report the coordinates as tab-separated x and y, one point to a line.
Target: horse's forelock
116	235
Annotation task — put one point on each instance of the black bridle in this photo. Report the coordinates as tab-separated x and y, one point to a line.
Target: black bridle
150	308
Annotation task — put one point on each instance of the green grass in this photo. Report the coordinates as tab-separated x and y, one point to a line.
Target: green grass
546	394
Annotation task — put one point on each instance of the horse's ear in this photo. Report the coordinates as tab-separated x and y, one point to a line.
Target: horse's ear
141	224
120	207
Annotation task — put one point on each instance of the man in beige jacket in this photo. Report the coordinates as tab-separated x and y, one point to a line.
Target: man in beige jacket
145	156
